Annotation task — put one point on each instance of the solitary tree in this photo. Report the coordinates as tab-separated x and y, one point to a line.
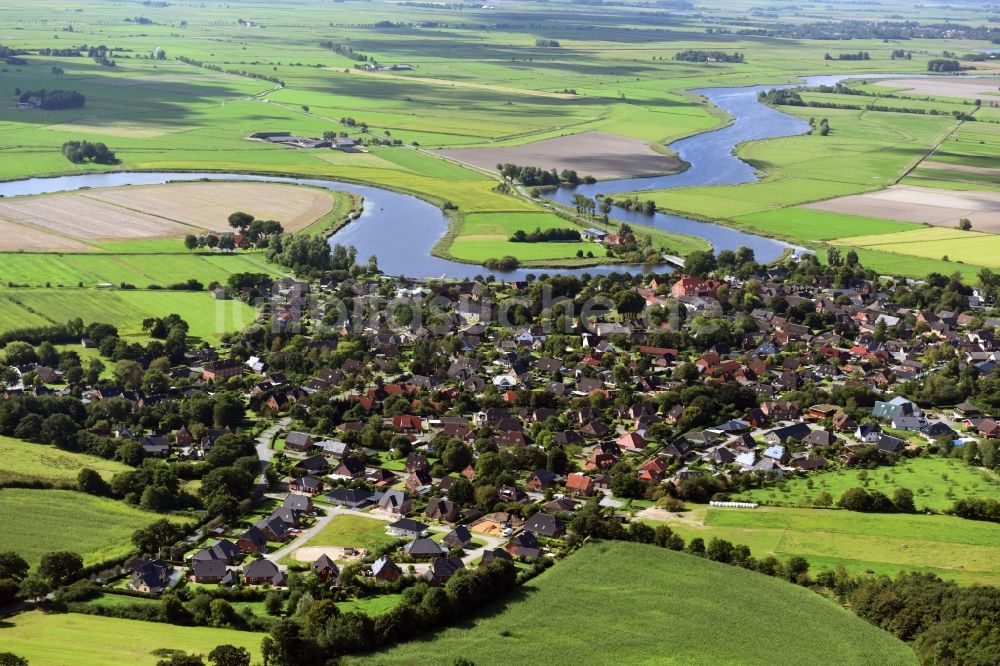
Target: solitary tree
965	224
240	220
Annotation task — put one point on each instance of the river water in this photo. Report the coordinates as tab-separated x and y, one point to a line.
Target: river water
401	229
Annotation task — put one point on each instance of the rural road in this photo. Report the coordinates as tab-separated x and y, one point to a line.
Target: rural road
264	451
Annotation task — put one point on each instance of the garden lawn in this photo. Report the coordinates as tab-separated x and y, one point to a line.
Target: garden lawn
964	550
25	461
625	603
936	484
90	640
35	522
348	530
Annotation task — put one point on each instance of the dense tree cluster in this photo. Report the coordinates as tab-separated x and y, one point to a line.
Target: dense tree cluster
79	152
943	65
53	99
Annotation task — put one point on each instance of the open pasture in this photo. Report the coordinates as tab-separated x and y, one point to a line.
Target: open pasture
69	221
36	522
91	640
953	548
627	603
909	203
596	154
935	482
27	461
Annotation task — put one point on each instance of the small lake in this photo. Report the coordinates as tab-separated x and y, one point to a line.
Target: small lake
401	229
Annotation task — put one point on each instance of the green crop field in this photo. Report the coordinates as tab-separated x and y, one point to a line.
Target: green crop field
135	267
208	318
968	247
352	531
621	603
90	640
26	461
936	484
963	550
36	522
804	224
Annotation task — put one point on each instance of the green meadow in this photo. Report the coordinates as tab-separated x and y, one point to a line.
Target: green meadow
91	640
936	484
27	461
626	603
950	547
36	522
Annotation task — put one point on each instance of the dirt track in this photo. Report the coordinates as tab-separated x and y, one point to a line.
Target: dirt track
908	203
589	154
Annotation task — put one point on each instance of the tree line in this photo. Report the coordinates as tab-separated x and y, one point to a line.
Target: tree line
693	55
547	236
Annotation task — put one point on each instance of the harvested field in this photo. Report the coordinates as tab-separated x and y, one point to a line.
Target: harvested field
208	205
963	168
20	237
68	221
944	86
589	154
909	203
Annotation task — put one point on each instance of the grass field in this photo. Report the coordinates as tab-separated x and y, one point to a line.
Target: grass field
620	603
208	318
90	640
352	531
25	461
936	484
963	550
36	522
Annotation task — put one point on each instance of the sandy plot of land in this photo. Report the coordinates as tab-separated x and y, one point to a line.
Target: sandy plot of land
961	168
908	203
85	219
15	236
589	154
312	553
208	205
946	86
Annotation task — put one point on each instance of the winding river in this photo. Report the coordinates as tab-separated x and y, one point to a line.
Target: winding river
401	229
